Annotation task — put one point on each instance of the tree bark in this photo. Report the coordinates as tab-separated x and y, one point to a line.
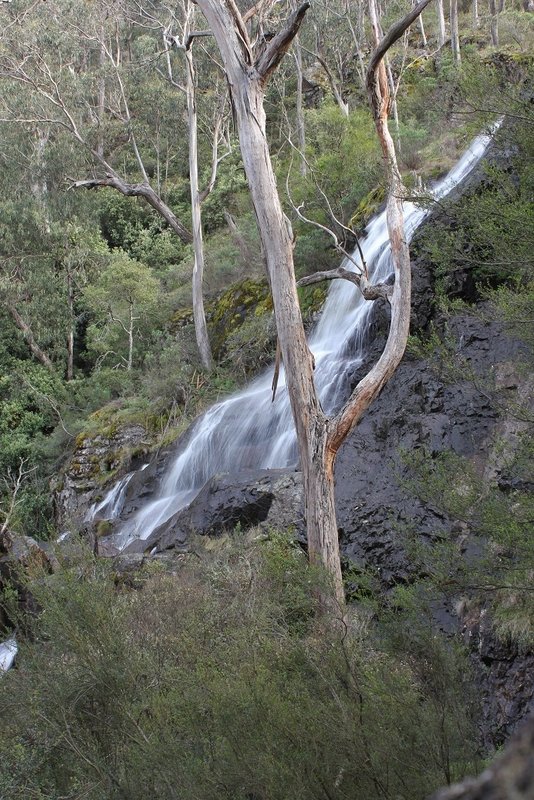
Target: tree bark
201	328
455	36
23	326
442	32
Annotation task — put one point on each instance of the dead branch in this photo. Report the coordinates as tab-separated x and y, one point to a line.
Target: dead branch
369	291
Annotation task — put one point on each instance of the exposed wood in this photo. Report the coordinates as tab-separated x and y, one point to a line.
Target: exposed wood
370	291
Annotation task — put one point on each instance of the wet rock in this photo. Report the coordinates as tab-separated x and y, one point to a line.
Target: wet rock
272	498
95	462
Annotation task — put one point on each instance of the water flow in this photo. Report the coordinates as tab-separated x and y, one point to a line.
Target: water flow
247	430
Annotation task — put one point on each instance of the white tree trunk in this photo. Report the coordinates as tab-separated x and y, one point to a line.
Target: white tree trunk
455	36
442	31
494	27
201	329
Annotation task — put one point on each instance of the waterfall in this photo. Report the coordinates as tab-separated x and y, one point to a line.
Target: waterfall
248	430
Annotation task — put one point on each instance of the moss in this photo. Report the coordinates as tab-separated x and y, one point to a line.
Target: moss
311	298
103	528
367	208
230	310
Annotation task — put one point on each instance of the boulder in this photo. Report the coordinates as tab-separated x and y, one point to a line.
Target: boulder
96	461
269	498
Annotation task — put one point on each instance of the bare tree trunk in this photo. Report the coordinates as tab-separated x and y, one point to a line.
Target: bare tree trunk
130	337
201	328
299	109
474	9
455	37
23	326
101	99
318	438
442	31
70	334
247	80
494	28
422	31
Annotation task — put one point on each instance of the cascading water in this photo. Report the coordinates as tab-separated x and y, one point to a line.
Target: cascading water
247	430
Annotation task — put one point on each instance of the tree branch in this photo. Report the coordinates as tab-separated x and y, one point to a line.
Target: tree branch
369	291
138	190
393	35
275	50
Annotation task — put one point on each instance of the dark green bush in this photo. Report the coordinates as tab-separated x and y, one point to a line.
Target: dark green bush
218	683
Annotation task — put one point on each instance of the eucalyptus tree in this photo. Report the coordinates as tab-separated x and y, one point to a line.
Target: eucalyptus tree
248	70
80	70
177	29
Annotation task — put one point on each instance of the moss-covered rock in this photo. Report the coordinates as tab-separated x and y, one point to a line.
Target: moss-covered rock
99	457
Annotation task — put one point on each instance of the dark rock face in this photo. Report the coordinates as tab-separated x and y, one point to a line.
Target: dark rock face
417	409
23	560
506	678
271	498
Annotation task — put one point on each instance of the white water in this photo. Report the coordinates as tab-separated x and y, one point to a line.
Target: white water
8	652
247	430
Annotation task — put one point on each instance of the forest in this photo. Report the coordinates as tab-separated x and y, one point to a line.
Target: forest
266	400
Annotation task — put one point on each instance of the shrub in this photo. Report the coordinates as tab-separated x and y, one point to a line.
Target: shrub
218	683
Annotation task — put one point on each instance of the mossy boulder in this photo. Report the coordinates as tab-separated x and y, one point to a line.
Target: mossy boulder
230	310
99	457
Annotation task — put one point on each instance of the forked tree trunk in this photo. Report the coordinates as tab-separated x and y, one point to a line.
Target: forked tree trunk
318	437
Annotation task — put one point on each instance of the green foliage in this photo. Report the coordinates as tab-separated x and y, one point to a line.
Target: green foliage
498	514
128	224
222	682
124	301
486	237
